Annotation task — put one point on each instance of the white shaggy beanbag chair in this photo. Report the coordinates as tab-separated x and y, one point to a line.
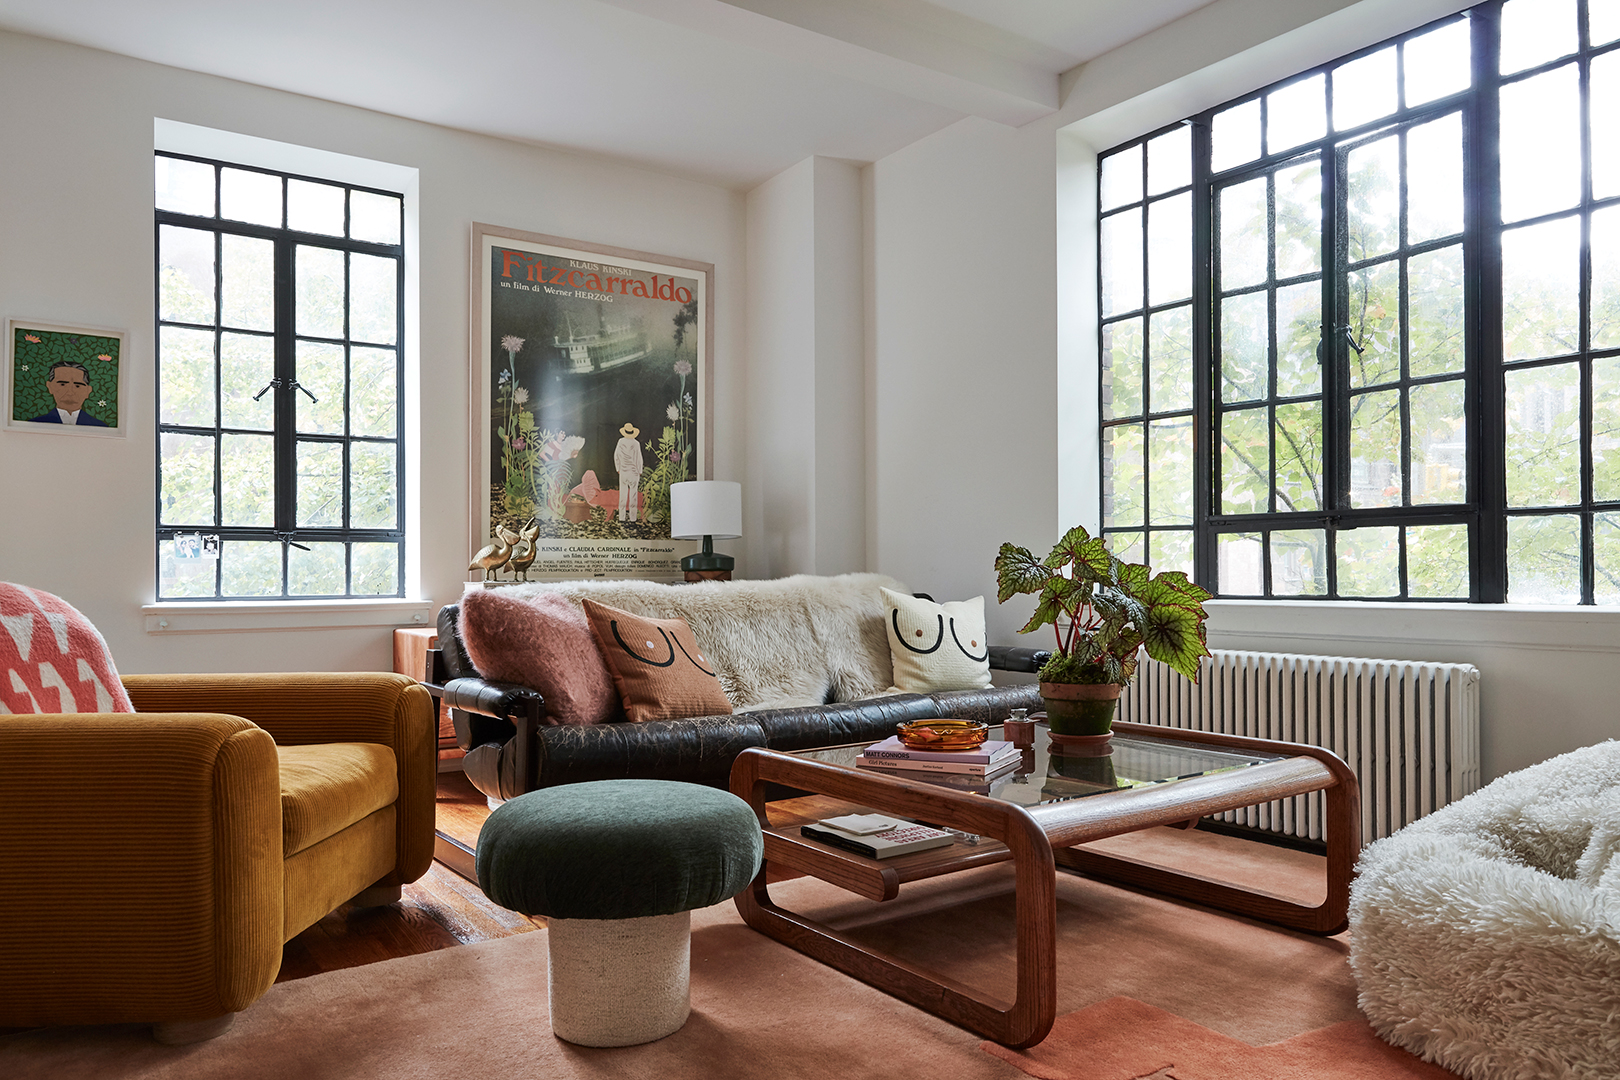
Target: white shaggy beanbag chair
1486	936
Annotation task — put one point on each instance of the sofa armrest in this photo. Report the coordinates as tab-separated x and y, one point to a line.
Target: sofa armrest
327	707
176	817
1014	658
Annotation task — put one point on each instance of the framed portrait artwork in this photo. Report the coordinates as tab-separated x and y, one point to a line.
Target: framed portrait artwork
591	394
64	380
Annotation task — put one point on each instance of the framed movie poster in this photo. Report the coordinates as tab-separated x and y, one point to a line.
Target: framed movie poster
591	395
64	380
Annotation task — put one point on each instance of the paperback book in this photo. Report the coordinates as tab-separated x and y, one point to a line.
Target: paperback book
949	764
880	837
892	747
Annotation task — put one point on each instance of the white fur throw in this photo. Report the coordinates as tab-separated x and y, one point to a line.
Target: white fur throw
1486	936
799	640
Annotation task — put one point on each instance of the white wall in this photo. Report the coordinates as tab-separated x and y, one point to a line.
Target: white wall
77	514
984	359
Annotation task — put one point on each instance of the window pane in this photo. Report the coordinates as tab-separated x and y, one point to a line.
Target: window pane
374	569
1299	330
373	289
1541	144
1172	551
1243	347
1235	135
1299	220
247	472
372	486
1126	546
185	275
247	288
320	371
1544	436
1296	114
1237	560
1170	471
250	196
1170	339
1122	369
186	479
316	208
1122	475
315	572
1243	234
1437	562
247	363
1434	312
183	577
1299	562
1169	160
1544	559
1169	250
320	291
250	568
1375	198
1438	63
320	485
1604	99
186	187
1434	187
1364	89
1535	31
1606	277
1375	449
374	218
186	377
1606	558
1122	262
1369	561
1245	462
1439	443
1375	325
372	408
1541	287
1602	21
1606	429
1299	456
1122	178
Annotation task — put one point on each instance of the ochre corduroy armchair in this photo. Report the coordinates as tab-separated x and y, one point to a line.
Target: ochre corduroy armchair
153	864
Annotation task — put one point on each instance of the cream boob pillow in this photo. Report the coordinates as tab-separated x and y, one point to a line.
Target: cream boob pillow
936	646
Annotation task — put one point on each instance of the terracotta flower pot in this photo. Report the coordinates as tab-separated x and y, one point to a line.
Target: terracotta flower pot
1080	708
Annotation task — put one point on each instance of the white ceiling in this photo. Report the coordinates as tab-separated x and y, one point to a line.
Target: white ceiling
728	91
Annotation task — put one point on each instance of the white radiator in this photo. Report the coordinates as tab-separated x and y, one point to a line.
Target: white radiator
1409	730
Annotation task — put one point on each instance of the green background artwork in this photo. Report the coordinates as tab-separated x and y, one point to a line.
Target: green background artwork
35	351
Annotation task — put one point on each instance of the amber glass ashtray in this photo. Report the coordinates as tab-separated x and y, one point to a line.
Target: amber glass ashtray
943	734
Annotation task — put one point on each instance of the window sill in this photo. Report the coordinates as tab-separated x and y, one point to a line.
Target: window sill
212	617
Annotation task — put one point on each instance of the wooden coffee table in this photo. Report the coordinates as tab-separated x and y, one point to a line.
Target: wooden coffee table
1037	828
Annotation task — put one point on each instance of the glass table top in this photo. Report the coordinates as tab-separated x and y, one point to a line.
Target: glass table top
1048	771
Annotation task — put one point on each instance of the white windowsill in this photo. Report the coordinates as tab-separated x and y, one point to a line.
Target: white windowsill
214	616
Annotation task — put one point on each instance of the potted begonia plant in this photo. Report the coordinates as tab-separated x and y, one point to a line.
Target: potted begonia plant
1104	612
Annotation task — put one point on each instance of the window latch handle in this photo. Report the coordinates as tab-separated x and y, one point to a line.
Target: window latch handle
290	384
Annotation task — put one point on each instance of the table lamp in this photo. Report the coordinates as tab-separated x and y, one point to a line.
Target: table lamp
706	509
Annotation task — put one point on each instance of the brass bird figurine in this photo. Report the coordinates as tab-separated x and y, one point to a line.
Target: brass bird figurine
491	557
523	552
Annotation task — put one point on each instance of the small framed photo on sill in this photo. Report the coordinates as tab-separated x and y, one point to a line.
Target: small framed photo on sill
64	379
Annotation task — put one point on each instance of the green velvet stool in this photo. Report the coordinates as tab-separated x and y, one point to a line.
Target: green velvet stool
616	867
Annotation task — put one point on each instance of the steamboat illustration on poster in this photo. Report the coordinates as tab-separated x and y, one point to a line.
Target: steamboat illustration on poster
595	408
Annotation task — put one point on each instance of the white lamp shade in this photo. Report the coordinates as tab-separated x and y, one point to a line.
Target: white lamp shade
699	508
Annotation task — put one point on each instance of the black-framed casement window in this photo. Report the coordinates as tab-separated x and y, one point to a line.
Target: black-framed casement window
1360	330
279	326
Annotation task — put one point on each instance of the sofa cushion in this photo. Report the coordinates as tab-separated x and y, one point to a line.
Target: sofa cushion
326	787
936	646
658	666
52	659
541	641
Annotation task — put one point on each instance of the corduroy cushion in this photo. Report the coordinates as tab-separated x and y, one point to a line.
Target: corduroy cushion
327	787
543	642
657	665
618	849
52	659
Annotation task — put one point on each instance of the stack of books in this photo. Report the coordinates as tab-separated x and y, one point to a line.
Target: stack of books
876	836
979	769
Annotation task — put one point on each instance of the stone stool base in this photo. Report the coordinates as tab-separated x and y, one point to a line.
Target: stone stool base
619	982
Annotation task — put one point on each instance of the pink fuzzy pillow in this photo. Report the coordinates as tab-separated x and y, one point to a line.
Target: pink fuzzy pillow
53	660
542	642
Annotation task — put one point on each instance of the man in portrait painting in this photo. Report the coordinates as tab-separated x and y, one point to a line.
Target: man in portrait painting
69	386
628	461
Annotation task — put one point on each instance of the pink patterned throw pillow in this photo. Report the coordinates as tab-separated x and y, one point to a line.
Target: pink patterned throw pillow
543	642
52	660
